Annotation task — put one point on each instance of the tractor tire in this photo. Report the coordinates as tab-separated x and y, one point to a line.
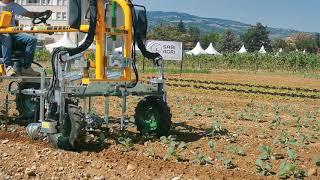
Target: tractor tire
153	117
27	108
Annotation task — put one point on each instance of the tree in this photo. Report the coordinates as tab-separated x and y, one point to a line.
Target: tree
303	41
194	33
164	32
212	37
229	42
317	39
181	27
256	37
168	33
279	44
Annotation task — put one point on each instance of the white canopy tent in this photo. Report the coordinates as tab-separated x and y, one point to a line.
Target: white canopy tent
65	41
211	50
197	50
262	50
280	50
242	50
119	49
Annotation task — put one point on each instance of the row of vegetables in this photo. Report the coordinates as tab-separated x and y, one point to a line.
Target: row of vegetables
244	88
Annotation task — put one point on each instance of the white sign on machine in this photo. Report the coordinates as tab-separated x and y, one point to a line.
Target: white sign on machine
169	50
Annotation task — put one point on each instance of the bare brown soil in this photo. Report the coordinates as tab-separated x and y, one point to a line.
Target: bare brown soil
247	118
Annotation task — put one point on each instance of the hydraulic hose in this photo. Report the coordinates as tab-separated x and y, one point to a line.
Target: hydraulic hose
140	30
91	33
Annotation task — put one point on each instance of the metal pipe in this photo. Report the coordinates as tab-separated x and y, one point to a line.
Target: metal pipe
42	87
124	107
89	104
6	113
106	110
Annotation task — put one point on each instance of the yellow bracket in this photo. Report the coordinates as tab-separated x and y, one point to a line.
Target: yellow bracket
5	19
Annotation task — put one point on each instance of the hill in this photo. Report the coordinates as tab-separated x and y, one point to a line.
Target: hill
209	24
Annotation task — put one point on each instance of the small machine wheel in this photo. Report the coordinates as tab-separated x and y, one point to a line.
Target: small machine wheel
153	117
26	105
74	134
69	138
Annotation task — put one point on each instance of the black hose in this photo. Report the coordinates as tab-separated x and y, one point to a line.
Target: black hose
91	33
39	65
140	32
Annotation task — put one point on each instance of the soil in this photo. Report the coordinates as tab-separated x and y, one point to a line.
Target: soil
246	121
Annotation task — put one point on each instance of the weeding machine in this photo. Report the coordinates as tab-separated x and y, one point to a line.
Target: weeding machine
53	101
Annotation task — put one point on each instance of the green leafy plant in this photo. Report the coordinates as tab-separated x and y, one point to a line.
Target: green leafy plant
212	145
202	159
236	150
292	155
126	143
263	168
217	130
277	122
287	170
304	140
227	162
265	152
285	139
174	149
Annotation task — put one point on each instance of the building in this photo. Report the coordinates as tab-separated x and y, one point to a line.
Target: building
59	16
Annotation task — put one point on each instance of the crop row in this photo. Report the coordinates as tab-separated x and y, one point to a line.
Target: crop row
246	89
244	85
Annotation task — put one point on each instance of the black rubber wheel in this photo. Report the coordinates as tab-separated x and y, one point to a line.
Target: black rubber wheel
26	105
153	117
73	135
69	138
77	122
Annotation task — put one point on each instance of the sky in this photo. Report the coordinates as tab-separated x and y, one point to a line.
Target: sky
303	15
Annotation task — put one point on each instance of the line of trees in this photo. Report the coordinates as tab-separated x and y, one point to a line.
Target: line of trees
229	41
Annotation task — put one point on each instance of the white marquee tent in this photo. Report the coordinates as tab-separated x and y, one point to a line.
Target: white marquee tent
242	50
262	50
63	42
211	50
197	50
280	50
119	49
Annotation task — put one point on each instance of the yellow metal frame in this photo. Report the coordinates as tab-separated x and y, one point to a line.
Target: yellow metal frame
5	19
100	64
102	30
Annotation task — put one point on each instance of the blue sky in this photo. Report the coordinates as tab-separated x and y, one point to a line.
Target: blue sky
301	15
